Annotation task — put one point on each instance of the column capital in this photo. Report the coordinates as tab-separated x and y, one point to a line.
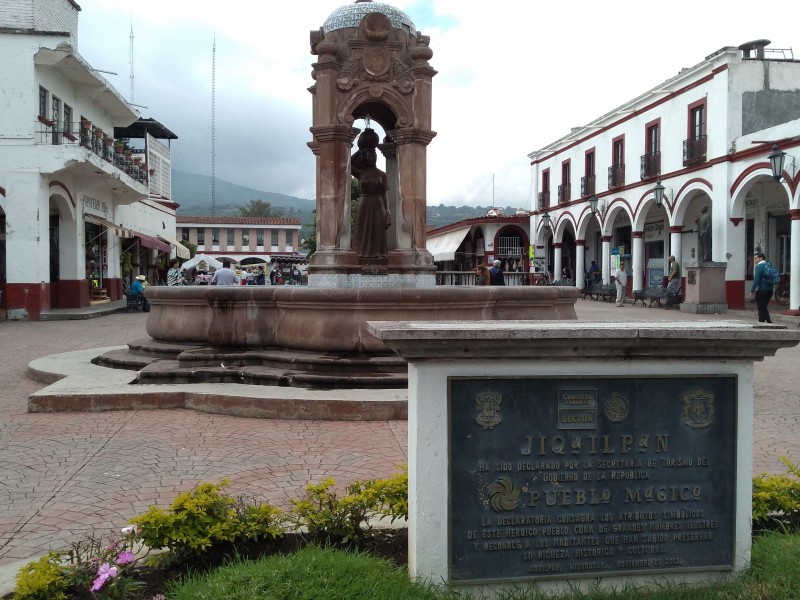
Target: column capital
557	245
412	135
334	133
637	234
676	229
580	242
794	214
605	239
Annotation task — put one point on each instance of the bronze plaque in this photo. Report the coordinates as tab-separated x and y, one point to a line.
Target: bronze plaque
691	277
589	477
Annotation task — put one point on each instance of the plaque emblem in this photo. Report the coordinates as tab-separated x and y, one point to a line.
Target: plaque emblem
504	495
617	408
489	409
698	408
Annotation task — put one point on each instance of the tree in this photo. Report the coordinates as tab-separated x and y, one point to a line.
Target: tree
257	208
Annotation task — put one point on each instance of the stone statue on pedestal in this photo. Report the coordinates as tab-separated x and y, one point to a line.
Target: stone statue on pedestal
372	213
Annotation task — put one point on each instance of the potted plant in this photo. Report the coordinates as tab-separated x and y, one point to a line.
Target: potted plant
119	147
98	133
86	123
128	153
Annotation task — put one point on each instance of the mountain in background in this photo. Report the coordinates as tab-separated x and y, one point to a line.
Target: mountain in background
193	194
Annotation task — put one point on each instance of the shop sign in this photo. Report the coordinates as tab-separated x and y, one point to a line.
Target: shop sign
94	206
654	231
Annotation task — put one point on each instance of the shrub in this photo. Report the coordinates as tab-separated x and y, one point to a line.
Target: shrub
205	516
776	498
42	579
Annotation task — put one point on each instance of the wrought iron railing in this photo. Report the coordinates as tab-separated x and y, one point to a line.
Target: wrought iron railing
131	163
694	150
616	176
650	165
544	199
563	193
587	185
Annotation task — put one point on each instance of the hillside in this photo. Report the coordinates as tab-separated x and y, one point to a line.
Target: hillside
193	193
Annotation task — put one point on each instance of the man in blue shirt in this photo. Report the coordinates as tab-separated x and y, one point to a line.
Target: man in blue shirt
496	276
761	290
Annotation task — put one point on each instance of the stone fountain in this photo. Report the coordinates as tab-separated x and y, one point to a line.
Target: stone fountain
372	64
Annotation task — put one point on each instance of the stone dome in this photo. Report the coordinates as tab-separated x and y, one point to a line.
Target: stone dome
350	15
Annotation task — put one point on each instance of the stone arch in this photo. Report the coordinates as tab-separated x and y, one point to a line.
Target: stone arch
748	179
683	198
610	215
382	104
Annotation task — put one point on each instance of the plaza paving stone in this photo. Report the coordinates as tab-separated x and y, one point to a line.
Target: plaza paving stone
63	475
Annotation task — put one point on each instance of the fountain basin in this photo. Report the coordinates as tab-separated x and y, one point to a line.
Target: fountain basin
332	320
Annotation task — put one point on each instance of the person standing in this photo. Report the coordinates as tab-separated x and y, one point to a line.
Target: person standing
674	270
496	276
225	275
761	290
482	275
174	274
621	279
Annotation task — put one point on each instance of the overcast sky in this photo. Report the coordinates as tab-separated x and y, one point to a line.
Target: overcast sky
513	76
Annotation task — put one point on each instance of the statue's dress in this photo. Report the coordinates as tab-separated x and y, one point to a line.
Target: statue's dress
369	235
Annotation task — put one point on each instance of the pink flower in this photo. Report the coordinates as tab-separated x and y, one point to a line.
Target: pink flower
125	557
105	572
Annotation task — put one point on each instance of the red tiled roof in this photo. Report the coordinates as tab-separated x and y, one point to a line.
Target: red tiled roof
212	220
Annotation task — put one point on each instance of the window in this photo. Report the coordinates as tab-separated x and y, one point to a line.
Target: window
215	235
260	237
229	236
694	147
56	118
564	189
43	95
290	237
201	237
185	234
651	159
616	172
587	181
274	237
245	237
544	195
67	118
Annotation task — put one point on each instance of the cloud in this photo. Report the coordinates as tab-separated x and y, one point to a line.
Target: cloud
513	76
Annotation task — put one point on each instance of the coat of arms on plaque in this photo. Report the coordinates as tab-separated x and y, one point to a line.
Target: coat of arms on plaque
698	408
489	406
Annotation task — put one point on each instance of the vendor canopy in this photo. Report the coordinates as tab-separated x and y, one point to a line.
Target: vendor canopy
193	262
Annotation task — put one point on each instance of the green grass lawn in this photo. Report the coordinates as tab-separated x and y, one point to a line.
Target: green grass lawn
315	573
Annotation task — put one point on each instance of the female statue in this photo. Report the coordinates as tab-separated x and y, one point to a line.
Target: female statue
372	213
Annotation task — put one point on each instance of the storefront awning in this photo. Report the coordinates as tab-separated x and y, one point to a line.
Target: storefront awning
181	250
117	230
443	247
151	242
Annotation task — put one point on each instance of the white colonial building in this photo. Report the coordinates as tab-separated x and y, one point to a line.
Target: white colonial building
705	134
77	213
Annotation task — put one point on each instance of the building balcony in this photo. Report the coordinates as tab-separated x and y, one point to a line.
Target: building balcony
694	150
616	176
587	185
544	200
650	165
564	193
87	152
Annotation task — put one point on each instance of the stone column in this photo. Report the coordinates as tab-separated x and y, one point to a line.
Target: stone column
331	145
579	269
794	275
410	254
605	268
675	245
556	260
389	150
638	260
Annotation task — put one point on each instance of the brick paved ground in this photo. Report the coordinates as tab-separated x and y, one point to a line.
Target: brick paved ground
63	475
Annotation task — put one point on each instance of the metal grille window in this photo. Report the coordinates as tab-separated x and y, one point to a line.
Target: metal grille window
509	246
201	236
274	237
67	118
42	102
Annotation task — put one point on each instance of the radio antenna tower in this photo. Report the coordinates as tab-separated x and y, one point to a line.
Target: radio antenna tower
214	127
130	61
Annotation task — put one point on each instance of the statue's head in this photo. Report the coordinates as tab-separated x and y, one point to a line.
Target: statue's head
368	139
